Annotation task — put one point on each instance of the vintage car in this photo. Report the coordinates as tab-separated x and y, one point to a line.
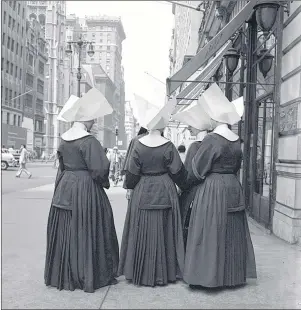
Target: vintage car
7	160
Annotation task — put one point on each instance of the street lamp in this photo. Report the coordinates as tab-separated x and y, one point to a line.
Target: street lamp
265	64
266	14
231	60
80	45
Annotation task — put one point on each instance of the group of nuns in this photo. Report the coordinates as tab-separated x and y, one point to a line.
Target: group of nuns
184	221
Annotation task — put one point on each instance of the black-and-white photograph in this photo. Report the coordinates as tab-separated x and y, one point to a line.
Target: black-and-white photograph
151	154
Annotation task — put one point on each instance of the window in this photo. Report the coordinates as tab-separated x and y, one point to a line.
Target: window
101	34
19	121
3	38
32	38
19	7
21	51
2	63
11	69
30	60
15	5
100	41
9	21
40	87
108	48
39	126
17	48
41	67
7	66
15	120
6	93
22	31
4	18
16	72
23	14
14	24
19	102
20	74
12	45
8	42
108	54
29	80
28	101
7	118
10	96
109	41
93	35
39	106
15	100
92	59
18	28
108	68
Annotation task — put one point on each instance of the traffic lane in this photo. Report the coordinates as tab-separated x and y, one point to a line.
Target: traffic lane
41	175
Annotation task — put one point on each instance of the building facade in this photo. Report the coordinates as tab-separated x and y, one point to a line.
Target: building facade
130	123
265	69
13	67
36	59
52	17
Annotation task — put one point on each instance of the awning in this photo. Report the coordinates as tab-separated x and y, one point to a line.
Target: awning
211	48
206	73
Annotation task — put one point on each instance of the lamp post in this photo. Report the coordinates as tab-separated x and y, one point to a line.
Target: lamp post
80	44
231	59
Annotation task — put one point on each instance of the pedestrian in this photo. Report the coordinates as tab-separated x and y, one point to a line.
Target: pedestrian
82	246
142	132
115	165
182	151
152	249
194	117
22	162
219	249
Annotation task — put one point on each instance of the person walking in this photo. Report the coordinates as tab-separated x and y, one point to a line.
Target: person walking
182	151
152	249
219	250
115	166
82	247
22	162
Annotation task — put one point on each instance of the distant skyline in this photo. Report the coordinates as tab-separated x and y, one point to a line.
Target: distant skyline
148	28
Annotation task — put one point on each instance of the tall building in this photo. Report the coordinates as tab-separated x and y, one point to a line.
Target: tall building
107	35
53	13
13	64
130	122
36	60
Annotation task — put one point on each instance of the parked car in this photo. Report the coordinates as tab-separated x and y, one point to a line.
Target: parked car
7	159
16	154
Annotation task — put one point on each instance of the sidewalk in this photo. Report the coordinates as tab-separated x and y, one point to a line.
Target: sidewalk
24	220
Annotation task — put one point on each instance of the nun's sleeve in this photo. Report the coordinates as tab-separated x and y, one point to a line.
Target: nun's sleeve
60	168
96	161
203	160
175	166
132	174
127	157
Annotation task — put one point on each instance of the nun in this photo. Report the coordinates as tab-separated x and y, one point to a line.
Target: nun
152	249
82	247
219	250
194	117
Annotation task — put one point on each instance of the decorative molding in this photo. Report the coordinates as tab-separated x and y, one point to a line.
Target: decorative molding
288	161
288	103
288	117
291	45
290	175
292	73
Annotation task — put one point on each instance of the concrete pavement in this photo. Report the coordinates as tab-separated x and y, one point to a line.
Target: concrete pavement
25	207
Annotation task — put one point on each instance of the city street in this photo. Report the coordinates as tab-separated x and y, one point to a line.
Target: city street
25	207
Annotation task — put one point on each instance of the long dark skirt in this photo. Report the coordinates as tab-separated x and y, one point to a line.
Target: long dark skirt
152	251
82	246
219	248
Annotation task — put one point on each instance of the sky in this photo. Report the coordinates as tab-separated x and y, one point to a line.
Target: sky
148	28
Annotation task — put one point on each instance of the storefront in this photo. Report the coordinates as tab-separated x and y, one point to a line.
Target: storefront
13	136
248	57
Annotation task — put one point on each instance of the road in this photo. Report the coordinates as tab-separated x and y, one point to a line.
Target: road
25	207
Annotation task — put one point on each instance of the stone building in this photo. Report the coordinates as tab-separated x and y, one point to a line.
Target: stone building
36	59
253	48
13	67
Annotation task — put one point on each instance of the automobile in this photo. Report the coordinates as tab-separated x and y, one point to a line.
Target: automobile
16	154
7	159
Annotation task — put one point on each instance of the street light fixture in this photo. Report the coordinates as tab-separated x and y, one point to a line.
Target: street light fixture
266	14
266	62
232	58
80	45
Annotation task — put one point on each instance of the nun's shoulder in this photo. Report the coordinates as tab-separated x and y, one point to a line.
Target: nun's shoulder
89	140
